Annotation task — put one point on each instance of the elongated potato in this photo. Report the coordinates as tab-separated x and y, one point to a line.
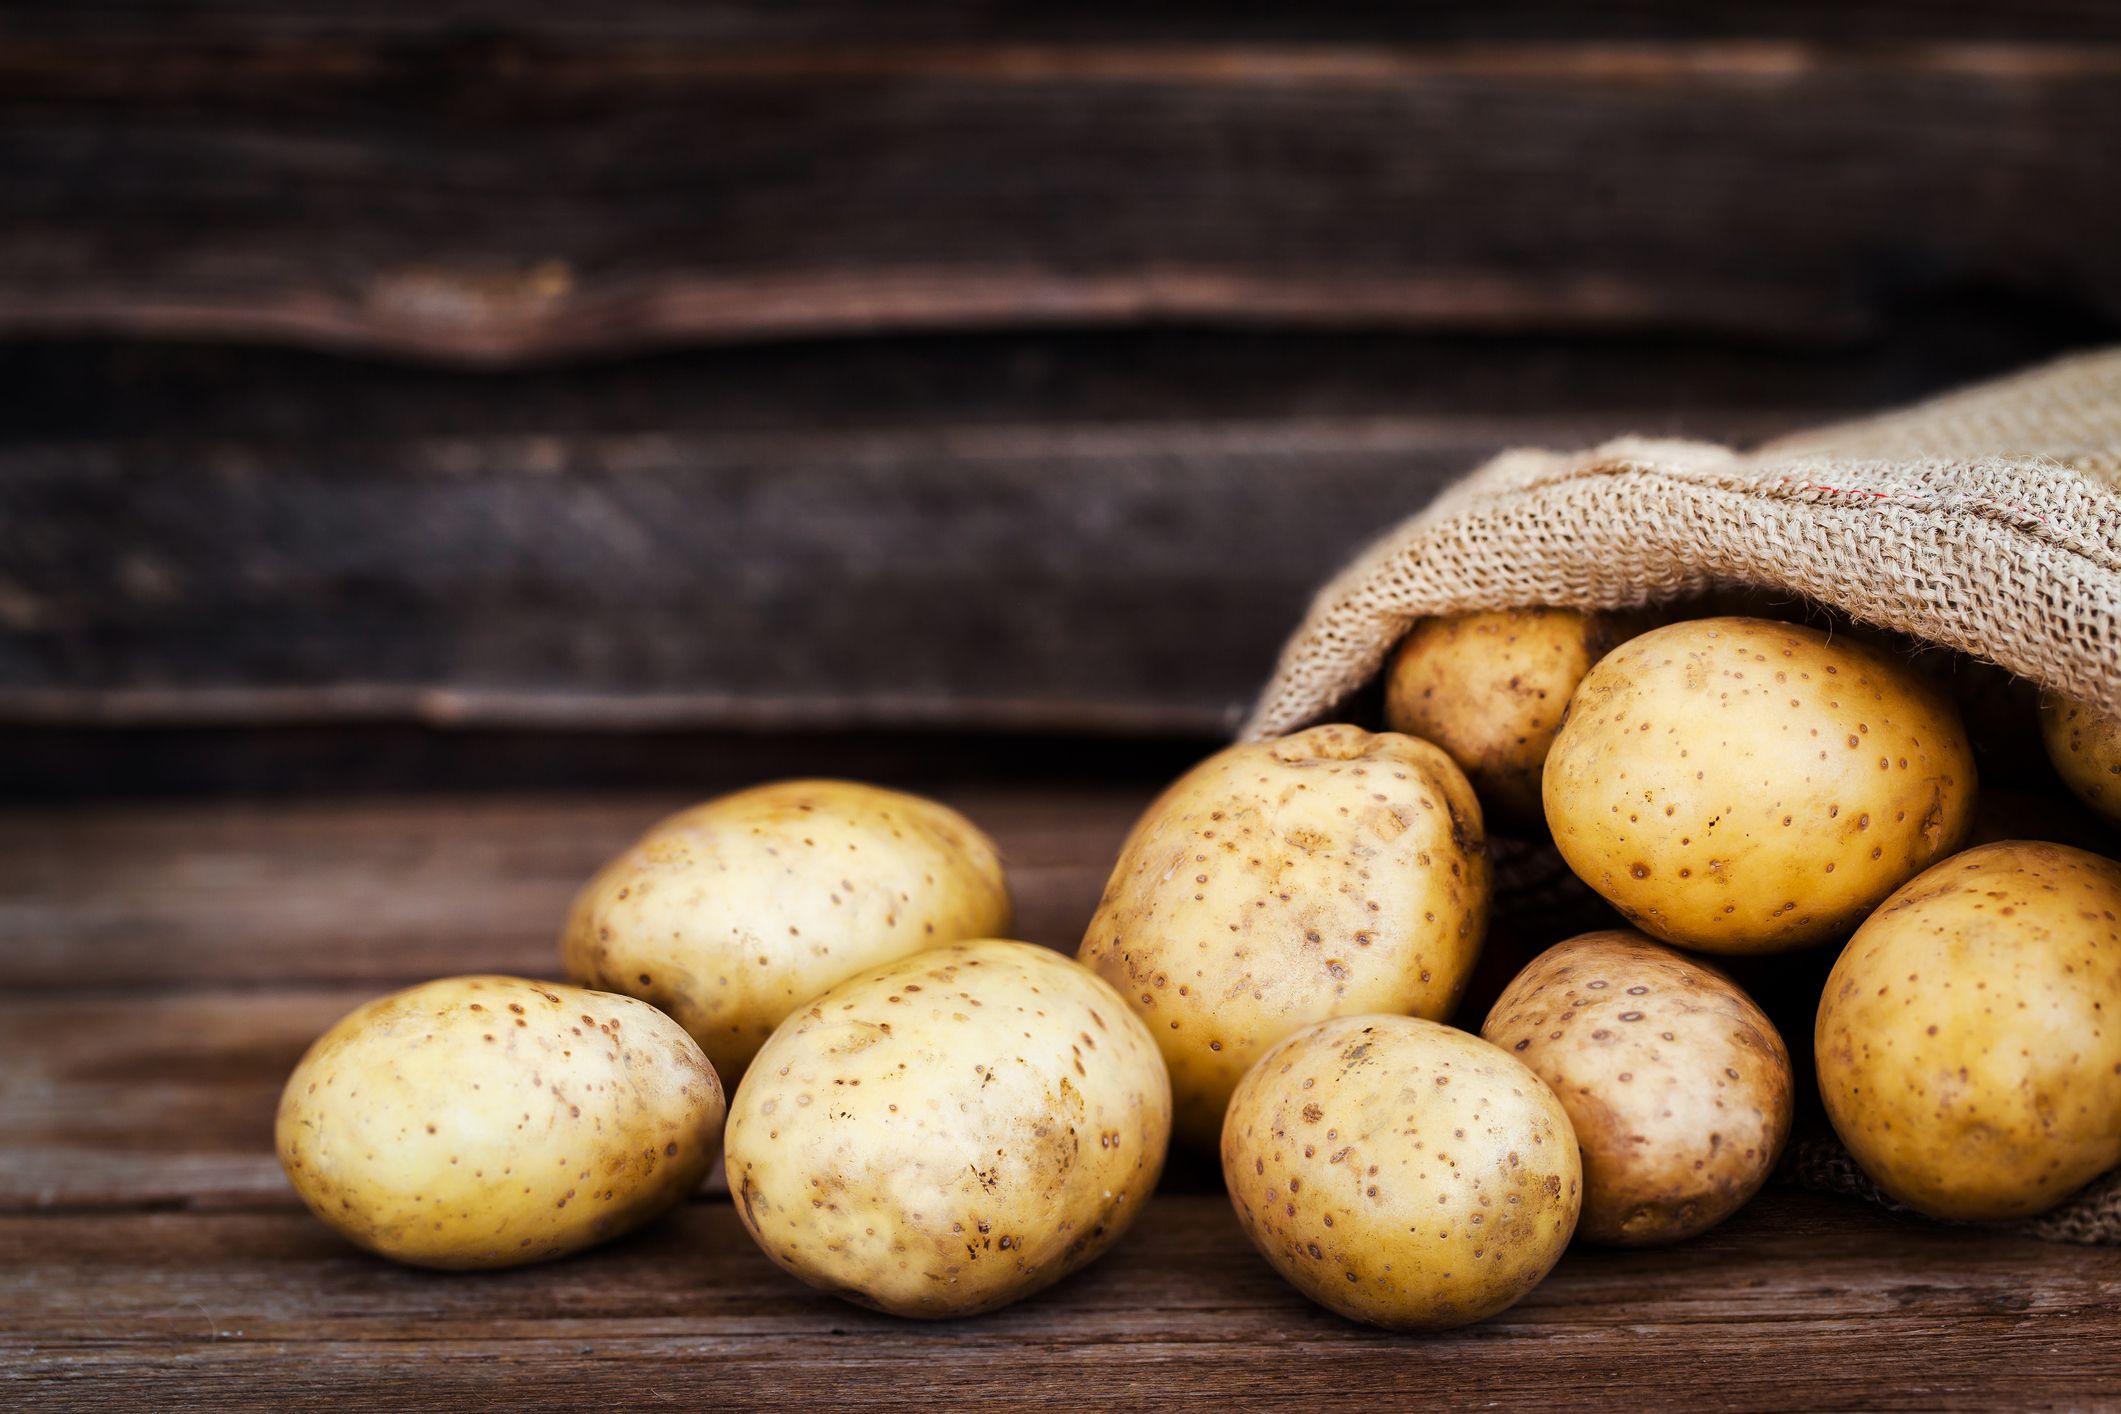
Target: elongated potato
1677	1085
949	1132
1490	689
1739	786
492	1121
1400	1172
1327	873
732	914
1969	1039
2085	746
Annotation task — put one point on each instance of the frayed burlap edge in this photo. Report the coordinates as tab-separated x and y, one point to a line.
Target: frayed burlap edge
1986	521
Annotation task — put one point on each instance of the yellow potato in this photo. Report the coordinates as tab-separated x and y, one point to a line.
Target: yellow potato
1969	1040
732	914
1490	689
2085	745
1329	873
1677	1085
949	1132
1740	786
1400	1172
492	1121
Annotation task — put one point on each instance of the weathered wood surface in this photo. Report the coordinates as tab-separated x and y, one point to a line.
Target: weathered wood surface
119	898
163	966
1058	533
495	195
1800	1302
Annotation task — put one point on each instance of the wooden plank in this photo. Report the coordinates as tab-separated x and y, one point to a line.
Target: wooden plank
162	1102
387	892
1063	533
1798	1302
97	391
495	199
1015	577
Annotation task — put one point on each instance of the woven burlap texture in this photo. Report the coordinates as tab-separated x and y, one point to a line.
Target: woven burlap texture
1987	520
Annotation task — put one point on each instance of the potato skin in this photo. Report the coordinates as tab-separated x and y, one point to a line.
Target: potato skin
950	1132
1678	1087
492	1121
1401	1172
1969	1039
1490	689
1739	786
731	914
1328	873
2085	745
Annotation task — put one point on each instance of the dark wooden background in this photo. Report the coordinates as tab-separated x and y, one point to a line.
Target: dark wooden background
438	436
653	367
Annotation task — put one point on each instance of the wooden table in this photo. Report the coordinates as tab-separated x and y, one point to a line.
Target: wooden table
166	965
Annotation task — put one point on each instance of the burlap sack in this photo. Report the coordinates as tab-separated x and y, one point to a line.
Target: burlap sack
1987	521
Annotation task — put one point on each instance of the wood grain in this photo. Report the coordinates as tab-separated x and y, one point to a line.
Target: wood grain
1105	534
389	892
495	197
1800	1301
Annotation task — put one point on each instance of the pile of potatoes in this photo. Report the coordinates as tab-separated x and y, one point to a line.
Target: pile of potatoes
931	1121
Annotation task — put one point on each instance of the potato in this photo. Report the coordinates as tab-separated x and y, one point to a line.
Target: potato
2085	745
1969	1041
1400	1172
1739	786
1329	873
1490	688
491	1121
1678	1087
732	914
949	1132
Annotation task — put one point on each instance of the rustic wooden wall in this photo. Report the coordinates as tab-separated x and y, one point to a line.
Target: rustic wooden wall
494	193
840	366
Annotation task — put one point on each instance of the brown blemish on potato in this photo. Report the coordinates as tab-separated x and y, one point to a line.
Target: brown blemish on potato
435	1204
1408	891
1737	729
1647	1176
1055	1074
1921	988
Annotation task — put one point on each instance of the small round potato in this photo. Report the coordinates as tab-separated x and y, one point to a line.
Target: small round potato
2085	745
1969	1040
732	914
1329	873
1400	1172
491	1121
1490	689
1678	1086
1740	786
950	1132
